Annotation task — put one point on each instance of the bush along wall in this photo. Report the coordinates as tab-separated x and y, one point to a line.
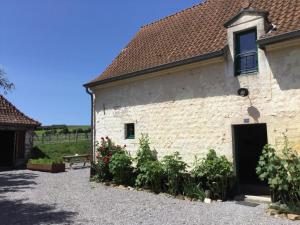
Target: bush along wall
281	169
114	164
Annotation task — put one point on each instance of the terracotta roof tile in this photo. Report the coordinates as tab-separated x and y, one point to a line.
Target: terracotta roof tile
195	31
10	115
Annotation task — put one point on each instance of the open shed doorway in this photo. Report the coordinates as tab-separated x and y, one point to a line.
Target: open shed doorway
7	140
249	141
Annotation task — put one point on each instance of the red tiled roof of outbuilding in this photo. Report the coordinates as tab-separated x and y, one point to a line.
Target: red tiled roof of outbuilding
10	115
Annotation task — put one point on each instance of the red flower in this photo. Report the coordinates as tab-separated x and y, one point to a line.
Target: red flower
105	159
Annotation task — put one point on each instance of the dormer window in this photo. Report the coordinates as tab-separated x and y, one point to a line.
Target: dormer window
246	60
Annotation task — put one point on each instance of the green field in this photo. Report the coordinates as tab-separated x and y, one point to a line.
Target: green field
57	151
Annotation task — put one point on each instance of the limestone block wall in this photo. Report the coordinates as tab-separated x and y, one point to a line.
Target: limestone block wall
28	143
194	110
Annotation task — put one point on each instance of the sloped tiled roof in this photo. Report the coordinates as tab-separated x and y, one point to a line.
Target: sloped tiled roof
193	32
10	115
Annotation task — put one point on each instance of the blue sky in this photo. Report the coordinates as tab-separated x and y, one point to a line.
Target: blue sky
50	48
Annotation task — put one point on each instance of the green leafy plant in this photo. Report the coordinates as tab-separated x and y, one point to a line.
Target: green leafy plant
45	161
150	176
193	189
286	208
120	167
144	153
282	172
174	168
214	172
104	151
148	168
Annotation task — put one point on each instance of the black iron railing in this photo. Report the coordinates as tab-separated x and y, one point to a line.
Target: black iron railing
246	62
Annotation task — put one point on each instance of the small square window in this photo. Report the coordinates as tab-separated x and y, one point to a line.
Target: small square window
129	131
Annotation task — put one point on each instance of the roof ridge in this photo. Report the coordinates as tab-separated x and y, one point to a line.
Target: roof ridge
175	14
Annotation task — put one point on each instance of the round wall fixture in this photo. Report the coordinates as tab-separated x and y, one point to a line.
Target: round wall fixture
244	92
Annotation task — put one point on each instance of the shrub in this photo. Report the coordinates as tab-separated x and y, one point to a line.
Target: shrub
174	168
144	153
282	173
150	176
193	190
87	130
214	172
79	130
286	208
120	167
104	152
102	171
64	130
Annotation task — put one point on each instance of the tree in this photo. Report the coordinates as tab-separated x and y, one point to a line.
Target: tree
5	83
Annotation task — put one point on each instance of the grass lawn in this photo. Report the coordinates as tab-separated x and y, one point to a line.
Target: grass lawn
57	151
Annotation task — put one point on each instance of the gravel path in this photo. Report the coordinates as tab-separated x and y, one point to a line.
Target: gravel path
33	198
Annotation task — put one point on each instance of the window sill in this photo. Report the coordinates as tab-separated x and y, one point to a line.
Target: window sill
129	138
247	74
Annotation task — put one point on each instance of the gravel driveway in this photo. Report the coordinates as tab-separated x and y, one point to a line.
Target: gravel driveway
32	198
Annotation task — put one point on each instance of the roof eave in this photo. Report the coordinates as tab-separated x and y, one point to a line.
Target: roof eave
33	126
279	38
158	68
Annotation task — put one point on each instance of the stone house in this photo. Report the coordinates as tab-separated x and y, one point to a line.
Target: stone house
16	132
223	74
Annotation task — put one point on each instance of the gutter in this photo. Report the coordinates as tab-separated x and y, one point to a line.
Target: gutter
92	129
278	38
157	68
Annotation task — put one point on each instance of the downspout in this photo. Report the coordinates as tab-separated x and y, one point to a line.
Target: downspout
88	91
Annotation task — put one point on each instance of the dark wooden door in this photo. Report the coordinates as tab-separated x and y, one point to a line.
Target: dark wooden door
7	147
249	141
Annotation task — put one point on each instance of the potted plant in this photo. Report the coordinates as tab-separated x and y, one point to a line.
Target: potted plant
46	165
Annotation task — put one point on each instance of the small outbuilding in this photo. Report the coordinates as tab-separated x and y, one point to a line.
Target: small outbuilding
16	135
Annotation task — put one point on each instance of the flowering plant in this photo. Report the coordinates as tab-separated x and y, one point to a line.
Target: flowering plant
104	151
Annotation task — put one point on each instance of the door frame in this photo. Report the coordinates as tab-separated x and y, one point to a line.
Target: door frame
234	150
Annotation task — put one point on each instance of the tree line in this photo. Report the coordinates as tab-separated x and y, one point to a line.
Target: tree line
63	129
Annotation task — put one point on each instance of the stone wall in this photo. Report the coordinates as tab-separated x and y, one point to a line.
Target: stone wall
28	144
28	148
193	110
